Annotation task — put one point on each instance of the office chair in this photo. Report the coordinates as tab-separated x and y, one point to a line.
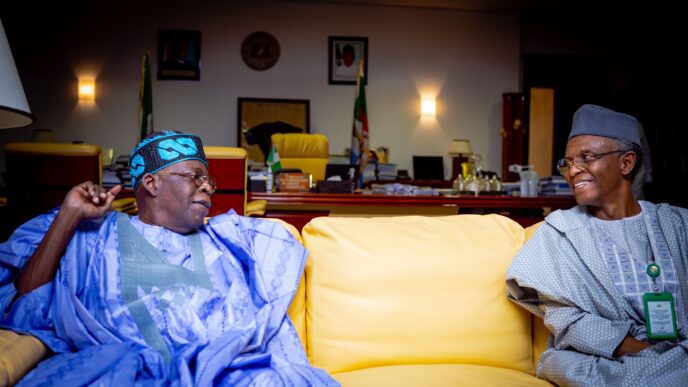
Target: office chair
39	175
307	152
228	166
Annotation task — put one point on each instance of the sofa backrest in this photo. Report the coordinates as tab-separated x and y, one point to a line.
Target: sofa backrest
413	290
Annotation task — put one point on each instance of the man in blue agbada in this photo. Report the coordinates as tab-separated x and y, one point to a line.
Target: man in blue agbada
158	298
609	276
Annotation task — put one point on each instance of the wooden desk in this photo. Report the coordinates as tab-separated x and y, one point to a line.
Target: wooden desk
299	208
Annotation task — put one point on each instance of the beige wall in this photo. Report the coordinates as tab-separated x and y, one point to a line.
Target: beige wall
468	59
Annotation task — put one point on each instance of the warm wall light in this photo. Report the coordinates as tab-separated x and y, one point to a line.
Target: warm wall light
427	107
87	90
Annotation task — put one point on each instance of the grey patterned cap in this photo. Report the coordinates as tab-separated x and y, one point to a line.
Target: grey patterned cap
600	121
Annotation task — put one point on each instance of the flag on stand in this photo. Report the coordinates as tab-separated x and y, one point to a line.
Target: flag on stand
146	98
359	141
273	160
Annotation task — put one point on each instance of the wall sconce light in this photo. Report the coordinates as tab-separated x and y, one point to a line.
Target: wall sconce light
427	107
87	90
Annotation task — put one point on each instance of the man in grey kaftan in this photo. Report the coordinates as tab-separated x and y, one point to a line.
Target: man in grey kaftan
584	270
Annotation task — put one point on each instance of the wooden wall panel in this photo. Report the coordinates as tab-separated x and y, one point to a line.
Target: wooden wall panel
541	130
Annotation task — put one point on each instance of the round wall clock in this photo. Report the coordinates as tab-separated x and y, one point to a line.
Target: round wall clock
260	51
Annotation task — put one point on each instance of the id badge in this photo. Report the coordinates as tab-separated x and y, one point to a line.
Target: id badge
660	316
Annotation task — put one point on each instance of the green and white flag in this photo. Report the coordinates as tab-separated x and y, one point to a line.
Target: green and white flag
273	160
146	98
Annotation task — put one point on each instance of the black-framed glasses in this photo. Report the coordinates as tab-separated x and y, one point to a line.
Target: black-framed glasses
563	165
198	177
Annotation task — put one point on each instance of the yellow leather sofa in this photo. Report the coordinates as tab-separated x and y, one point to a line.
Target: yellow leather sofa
416	301
405	301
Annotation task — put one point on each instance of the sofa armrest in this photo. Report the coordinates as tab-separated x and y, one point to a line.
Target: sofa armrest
539	330
540	336
297	308
18	355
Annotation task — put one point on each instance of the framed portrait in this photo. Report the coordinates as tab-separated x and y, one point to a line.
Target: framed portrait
179	55
259	118
344	55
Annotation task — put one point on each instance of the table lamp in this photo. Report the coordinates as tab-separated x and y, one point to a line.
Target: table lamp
460	150
14	109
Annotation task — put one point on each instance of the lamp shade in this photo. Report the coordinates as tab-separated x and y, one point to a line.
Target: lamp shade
460	147
14	110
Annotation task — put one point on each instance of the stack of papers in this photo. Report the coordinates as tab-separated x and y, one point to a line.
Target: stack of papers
403	189
554	186
385	172
117	173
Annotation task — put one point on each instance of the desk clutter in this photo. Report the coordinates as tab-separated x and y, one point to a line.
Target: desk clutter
296	181
338	178
477	185
403	190
117	173
554	186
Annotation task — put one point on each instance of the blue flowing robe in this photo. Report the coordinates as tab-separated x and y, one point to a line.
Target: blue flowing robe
205	309
560	276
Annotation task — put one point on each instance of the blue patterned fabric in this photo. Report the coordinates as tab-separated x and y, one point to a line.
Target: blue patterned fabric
207	309
162	150
560	276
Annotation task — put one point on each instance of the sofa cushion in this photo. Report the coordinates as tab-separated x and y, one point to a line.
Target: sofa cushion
18	354
438	375
413	290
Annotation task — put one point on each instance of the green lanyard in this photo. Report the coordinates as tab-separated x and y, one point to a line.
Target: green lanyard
653	271
660	310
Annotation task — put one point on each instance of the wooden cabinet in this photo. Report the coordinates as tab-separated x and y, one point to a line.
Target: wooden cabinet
514	134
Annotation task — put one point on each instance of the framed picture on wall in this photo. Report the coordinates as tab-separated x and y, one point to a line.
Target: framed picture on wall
259	118
179	55
343	57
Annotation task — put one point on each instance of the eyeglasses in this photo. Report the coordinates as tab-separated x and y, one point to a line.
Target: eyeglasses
563	165
197	176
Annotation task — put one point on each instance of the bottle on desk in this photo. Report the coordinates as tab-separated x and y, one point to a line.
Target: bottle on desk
269	183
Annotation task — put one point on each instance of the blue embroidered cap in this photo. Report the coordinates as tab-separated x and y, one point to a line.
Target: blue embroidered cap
600	121
161	150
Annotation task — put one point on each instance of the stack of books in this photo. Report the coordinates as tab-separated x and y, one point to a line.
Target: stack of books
110	178
386	172
554	186
117	173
